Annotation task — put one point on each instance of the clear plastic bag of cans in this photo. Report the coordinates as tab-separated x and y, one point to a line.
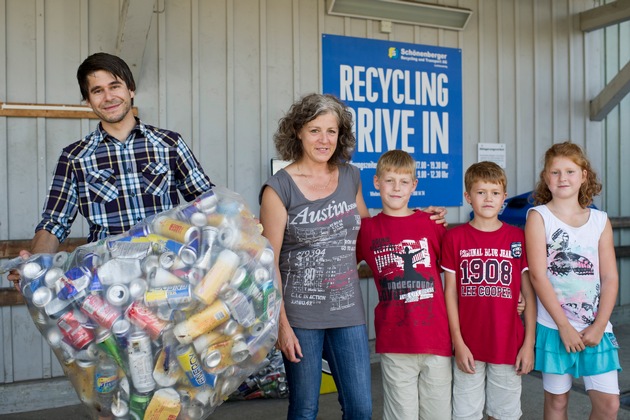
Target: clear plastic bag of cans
166	320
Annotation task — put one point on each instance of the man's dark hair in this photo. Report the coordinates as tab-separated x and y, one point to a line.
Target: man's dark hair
106	62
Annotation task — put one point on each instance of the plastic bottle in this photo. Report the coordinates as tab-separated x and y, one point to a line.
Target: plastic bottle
105	385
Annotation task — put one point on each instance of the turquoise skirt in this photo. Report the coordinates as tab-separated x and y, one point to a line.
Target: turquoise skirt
551	356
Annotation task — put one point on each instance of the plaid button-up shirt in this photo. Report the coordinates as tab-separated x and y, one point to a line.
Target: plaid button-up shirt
114	184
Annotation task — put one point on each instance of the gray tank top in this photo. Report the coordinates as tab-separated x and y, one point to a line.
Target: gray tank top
318	262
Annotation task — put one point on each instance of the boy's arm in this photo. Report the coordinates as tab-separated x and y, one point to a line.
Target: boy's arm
609	278
536	244
525	357
463	357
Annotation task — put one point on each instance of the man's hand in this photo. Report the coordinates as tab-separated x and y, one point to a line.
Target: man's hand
14	275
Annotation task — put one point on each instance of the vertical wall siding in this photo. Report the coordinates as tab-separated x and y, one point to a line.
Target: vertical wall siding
222	72
616	127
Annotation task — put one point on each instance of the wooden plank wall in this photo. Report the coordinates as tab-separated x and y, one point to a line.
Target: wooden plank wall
222	72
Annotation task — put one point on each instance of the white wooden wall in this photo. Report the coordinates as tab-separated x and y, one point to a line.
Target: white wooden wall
222	72
615	170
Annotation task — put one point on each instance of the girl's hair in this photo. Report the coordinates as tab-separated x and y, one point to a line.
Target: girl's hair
311	106
486	172
590	188
112	64
397	161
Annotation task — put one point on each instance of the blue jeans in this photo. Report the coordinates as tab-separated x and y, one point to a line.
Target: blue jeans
346	350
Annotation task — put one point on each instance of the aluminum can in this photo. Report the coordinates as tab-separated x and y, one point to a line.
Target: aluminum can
32	270
211	358
217	358
198	219
239	351
244	282
100	311
229	328
167	259
142	317
80	277
166	371
141	362
159	243
168	295
86	379
60	259
52	276
233	238
188	254
266	257
73	331
34	274
256	329
137	287
201	322
268	306
261	275
91	261
54	337
206	203
57	307
139	230
128	249
208	237
119	270
189	363
150	263
240	307
176	230
138	403
42	296
161	277
221	272
205	340
267	337
121	330
95	285
117	295
106	342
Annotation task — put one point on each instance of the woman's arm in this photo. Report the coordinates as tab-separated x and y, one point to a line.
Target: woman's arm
363	211
273	217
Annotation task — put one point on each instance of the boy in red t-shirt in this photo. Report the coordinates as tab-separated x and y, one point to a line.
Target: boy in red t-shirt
402	247
485	268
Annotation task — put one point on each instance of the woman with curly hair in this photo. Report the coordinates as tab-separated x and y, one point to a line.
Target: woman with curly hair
311	214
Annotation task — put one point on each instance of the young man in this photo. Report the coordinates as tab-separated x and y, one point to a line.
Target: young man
402	247
122	172
485	269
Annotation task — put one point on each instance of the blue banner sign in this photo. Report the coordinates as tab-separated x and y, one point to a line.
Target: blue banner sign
402	96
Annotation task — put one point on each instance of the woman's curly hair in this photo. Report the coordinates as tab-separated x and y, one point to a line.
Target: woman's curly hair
309	107
590	188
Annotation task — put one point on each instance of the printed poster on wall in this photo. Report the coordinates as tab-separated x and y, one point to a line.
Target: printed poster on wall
402	96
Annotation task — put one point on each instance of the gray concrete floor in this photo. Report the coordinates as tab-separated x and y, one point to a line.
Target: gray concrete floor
270	409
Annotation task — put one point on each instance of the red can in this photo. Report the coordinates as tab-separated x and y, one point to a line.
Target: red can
73	331
142	317
100	311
